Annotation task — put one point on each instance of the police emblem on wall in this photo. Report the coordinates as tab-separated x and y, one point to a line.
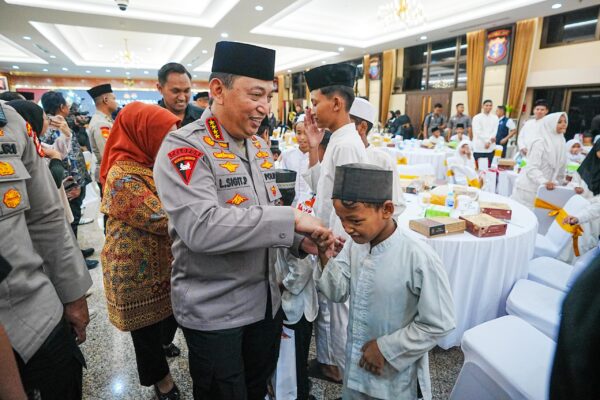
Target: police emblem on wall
497	47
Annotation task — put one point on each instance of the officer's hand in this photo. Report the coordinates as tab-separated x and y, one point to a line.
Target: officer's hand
305	223
58	122
313	133
308	246
76	314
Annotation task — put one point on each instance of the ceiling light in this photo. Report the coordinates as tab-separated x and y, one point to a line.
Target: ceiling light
101	45
340	49
189	64
52	56
401	13
45	69
194	76
127	73
289	70
88	72
65	68
423	37
107	70
556	6
15	67
146	72
27	37
224	35
259	8
582	23
323	62
204	51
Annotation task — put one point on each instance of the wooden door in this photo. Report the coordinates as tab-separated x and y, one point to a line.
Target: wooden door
415	109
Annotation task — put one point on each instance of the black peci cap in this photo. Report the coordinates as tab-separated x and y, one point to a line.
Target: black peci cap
100	90
342	74
245	60
362	182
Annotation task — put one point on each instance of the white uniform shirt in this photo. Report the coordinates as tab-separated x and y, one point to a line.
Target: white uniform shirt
295	160
527	133
384	160
400	295
485	127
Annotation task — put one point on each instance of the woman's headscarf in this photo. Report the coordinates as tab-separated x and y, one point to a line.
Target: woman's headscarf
31	113
553	143
137	135
572	143
589	170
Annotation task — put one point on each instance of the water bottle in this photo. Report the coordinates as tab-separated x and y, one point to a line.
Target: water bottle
450	200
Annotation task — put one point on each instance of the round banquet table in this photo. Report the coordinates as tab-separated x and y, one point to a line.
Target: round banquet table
419	155
481	271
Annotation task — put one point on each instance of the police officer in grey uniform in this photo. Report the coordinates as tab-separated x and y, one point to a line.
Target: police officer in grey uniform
42	302
216	181
101	122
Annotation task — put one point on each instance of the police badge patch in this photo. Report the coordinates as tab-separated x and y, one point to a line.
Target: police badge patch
184	160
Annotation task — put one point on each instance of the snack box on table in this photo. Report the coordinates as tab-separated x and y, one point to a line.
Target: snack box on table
496	210
453	225
437	226
506	164
484	225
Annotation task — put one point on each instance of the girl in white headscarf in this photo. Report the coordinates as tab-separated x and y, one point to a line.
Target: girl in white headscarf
464	165
574	153
546	160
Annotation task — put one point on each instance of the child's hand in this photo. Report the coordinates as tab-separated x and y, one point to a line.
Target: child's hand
579	190
372	360
324	239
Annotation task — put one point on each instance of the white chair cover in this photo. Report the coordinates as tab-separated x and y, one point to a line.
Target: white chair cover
419	170
559	197
550	272
536	304
582	263
505	358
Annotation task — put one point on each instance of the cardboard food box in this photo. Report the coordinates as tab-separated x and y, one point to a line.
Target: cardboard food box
496	210
427	227
484	225
437	211
506	164
453	225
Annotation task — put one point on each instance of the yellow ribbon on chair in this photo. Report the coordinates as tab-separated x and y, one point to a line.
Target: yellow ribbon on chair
559	215
449	172
409	176
474	183
402	160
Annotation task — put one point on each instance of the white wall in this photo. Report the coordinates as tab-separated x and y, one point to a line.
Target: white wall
398	102
459	96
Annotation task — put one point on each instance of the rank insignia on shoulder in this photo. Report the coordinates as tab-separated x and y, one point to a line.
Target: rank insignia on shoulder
266	164
224	155
208	140
6	169
256	143
105	131
224	145
262	154
184	159
12	198
229	166
237	200
214	129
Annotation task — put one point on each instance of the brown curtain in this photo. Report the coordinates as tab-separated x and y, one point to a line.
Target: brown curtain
387	83
280	91
475	51
520	64
366	63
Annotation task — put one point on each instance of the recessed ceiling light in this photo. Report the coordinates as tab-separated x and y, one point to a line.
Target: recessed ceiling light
15	67
423	37
259	8
65	68
127	73
45	69
146	72
204	51
101	45
52	56
189	64
194	76
323	62
556	6
149	49
289	70
88	72
27	37
224	35
340	49
107	70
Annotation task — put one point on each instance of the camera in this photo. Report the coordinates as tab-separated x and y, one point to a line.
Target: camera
122	4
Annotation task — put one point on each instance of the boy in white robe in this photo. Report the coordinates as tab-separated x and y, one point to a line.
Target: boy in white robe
460	134
400	299
332	93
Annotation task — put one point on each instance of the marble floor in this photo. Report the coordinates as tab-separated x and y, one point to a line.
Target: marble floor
112	374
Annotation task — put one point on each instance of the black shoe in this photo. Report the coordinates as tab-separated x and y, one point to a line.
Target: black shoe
173	394
171	350
87	252
91	264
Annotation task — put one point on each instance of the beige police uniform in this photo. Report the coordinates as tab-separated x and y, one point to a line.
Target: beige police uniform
48	268
99	129
219	195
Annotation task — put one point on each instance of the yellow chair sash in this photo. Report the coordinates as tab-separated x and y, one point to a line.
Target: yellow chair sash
559	215
409	176
474	183
402	161
449	173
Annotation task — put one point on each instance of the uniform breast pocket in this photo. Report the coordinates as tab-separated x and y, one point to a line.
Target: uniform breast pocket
13	198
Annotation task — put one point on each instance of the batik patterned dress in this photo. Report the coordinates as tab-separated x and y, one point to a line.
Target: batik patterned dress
136	258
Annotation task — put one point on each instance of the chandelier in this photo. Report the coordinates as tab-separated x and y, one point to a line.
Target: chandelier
402	13
126	58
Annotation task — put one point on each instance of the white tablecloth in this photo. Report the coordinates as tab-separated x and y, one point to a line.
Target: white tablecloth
506	182
436	158
481	271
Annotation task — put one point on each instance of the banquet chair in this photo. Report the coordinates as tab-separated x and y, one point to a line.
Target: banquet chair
558	274
505	358
559	197
463	175
556	239
538	305
415	171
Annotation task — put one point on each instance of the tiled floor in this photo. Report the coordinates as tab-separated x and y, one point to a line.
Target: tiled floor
112	373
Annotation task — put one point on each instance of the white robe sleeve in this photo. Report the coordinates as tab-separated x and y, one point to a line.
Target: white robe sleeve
311	177
334	280
535	158
300	271
591	212
434	318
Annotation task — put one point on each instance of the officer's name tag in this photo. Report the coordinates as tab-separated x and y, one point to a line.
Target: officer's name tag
269	176
233	182
8	149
